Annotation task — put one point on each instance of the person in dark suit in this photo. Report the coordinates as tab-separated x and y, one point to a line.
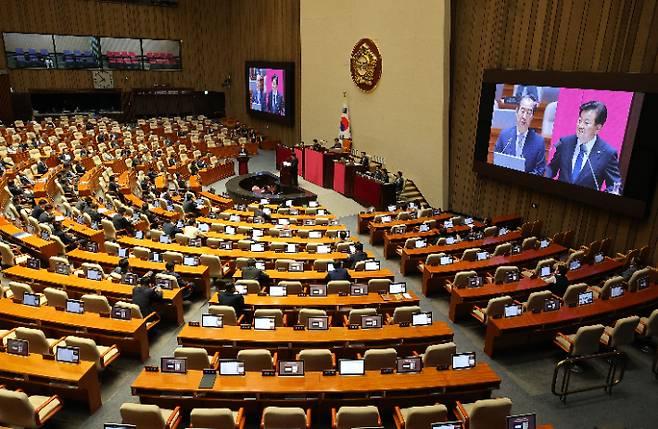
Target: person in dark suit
339	273
120	221
250	272
522	141
42	168
275	102
146	295
559	279
230	298
357	256
258	97
294	163
585	159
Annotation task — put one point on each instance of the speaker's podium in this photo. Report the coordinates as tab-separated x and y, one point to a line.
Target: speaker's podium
243	164
288	177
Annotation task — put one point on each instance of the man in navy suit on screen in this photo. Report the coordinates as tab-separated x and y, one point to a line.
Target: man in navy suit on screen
275	102
585	159
258	97
522	141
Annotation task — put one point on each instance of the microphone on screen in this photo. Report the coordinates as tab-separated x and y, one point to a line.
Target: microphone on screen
596	183
508	142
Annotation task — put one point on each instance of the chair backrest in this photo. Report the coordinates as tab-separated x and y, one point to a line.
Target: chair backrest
458	220
197	358
470	255
16	409
502	249
570	296
108	229
88	349
338	286
215	418
18	289
349	417
422	417
282	264
491	231
496	306
360	266
253	286
175	257
624	331
112	248
354	316
172	279
142	415
56	297
461	278
410	243
549	262
378	285
439	354
609	284
242	262
36	338
7	255
135	311
321	264
227	312
535	302
316	359
305	313
214	265
271	312
490	413
292	287
405	313
255	359
501	273
434	258
652	324
380	358
96	303
284	417
142	253
578	255
587	339
529	243
633	282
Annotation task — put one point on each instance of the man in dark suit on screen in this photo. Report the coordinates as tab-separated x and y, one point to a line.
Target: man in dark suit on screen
585	159
275	102
521	141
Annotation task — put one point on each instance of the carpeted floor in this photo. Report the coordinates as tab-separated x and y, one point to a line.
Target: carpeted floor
526	375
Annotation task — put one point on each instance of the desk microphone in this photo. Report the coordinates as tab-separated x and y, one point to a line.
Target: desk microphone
508	142
596	183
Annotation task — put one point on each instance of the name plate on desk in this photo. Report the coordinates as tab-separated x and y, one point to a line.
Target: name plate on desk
298	327
268	373
353	326
246	326
151	368
301	294
329	372
195	324
386	371
403	324
343	294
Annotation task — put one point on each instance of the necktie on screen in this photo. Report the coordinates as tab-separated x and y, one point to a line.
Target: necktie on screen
579	163
519	144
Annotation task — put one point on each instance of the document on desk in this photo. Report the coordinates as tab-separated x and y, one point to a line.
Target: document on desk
21	235
407	295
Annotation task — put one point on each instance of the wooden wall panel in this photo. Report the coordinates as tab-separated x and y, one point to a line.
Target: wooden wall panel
561	35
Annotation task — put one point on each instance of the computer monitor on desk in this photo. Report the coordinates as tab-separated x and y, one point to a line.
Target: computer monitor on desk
67	354
231	367
522	421
318	323
212	321
75	306
351	367
265	323
371	266
291	368
447	425
399	287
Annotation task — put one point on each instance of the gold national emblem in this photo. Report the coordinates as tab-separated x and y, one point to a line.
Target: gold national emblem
365	65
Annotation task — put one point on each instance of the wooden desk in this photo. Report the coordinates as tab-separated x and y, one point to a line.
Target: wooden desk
435	275
368	191
269	239
377	230
198	275
88	183
463	300
129	335
38	247
158	211
411	257
340	340
95	235
374	388
252	225
364	219
319	276
217	200
333	304
540	328
300	217
171	306
37	375
392	241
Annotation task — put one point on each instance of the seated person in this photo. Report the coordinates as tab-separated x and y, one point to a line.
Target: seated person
559	279
357	256
146	295
339	273
250	272
632	267
186	286
121	222
122	268
231	298
189	205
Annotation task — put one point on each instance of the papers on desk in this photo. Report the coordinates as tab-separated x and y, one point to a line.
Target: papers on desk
59	218
407	295
101	210
22	234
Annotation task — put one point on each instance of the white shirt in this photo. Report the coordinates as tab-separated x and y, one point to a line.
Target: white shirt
520	142
588	149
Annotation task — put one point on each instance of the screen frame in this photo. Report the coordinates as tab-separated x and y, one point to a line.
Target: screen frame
289	95
639	188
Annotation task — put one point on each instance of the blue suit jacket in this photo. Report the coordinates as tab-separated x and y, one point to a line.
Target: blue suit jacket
602	164
534	149
275	106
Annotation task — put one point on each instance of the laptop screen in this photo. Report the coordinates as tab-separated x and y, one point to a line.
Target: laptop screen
352	248
372	321
551	304
291	367
315	234
231	367
399	287
129	279
543	244
123	253
468	220
447	425
358	290
257	233
291	248
474	281
33	263
75	306
241	289
257	247
351	367
522	421
312	204
598	258
575	264
226	245
173	365
318	323
371	266
164	283
278	291
230	230
296	267
391	208
191	261
19	347
212	321
93	274
288	203
445	260
165	239
481	256
121	313
139	235
285	233
447	224
585	298
31	299
234	218
420	244
423	227
309	222
317	290
283	221
264	323
409	364
513	310
512	276
67	354
616	291
330	266
204	227
503	231
450	240
545	271
155	257
643	283
421	319
260	265
62	268
463	360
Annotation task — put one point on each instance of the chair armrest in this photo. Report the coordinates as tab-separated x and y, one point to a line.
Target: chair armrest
449	283
346	321
153	316
359	356
333	359
415	353
56	343
333	418
240	319
275	359
11	331
214	362
398	418
175	415
565	337
462	411
116	356
308	418
262	420
285	320
240	419
330	320
42	406
389	318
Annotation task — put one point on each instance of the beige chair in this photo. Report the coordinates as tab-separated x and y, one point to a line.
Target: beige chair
197	358
152	319
379	285
603	292
227	313
109	230
243	262
470	255
349	417
279	318
578	255
503	271
8	257
282	264
461	280
419	417
112	248
403	314
458	220
485	413
292	287
56	297
502	249
257	359
584	342
439	355
317	359
244	244
18	409
285	417
647	273
217	418
142	253
321	264
570	297
38	343
380	358
549	262
182	239
360	266
491	231
355	315
535	302
433	259
18	289
214	264
648	326
305	313
102	356
96	303
495	308
338	287
252	285
213	243
175	257
529	243
621	334
155	234
173	281
150	416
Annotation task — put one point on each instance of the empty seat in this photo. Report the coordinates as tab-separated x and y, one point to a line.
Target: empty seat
305	313
355	315
648	326
252	285
349	417
175	257
491	231
535	302
317	359
380	358
584	342
502	249
96	303
495	308
502	273
461	279
338	287
150	416
570	297
102	356
321	264
197	358
286	417
217	418
621	334
256	359
38	343
404	314
279	317
439	355
420	417
603	292
379	285
292	287
470	255
18	409
529	243
485	413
